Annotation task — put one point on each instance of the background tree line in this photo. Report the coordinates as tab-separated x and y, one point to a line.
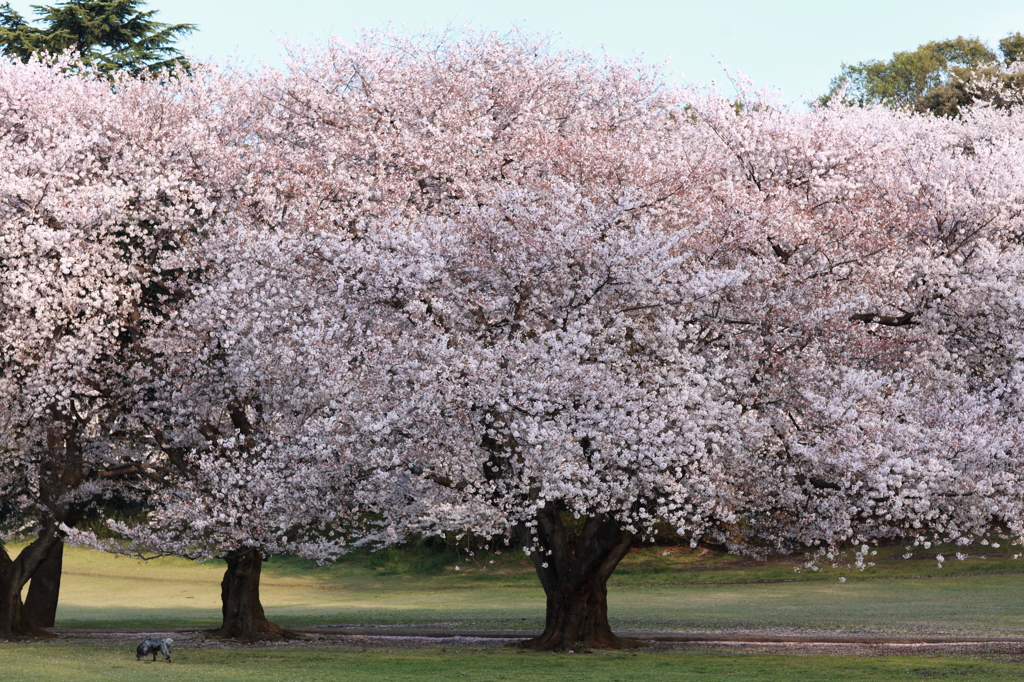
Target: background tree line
940	77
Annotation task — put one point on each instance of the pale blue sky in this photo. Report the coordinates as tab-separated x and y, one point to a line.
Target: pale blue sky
797	45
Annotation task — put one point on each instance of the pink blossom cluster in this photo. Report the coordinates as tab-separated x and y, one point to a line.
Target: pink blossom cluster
422	285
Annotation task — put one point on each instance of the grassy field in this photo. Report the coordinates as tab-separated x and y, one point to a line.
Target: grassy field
670	590
88	663
682	592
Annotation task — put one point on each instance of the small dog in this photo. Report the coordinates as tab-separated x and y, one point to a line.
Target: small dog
155	646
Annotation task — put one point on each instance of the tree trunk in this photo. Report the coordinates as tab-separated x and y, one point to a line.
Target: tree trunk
14	573
44	589
244	619
61	472
575	579
13	623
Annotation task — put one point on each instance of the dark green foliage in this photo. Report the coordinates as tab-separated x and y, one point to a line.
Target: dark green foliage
903	80
422	556
413	560
111	35
939	77
1012	48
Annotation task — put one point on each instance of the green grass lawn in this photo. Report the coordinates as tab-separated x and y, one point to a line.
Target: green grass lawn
49	662
683	592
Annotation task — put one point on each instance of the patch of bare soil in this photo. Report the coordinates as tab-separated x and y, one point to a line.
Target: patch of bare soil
309	637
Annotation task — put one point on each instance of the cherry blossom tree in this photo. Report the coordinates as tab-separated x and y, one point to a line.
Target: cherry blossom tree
97	184
234	385
910	430
523	246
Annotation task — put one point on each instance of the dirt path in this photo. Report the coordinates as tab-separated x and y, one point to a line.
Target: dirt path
738	643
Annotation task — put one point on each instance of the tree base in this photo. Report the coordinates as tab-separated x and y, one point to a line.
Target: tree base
40	633
556	644
244	619
29	632
574	572
273	633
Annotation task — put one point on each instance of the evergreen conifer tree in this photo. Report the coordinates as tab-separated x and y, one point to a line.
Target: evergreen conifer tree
112	35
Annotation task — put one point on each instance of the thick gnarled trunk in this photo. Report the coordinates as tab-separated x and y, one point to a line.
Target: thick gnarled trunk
13	623
44	589
14	574
575	579
243	617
